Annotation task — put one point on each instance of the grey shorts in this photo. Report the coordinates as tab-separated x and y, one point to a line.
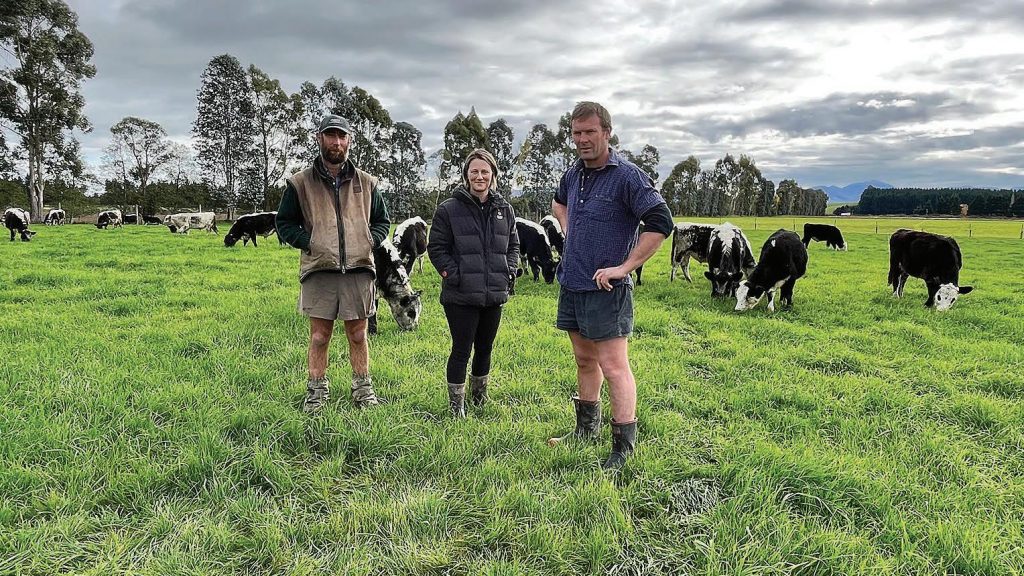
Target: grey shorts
336	296
597	315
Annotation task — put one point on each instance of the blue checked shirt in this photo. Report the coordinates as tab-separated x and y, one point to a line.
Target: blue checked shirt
604	209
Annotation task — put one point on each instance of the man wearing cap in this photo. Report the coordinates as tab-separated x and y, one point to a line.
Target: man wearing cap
333	212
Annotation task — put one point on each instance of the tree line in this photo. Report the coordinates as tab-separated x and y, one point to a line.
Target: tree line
249	134
944	201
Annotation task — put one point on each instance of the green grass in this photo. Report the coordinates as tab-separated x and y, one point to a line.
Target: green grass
150	423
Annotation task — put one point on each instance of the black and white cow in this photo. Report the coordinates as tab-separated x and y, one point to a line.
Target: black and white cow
248	226
411	241
783	261
110	218
535	250
689	240
827	233
554	233
933	258
182	222
152	220
55	217
730	258
393	284
17	220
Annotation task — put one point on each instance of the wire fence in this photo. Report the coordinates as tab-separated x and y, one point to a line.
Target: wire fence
955	227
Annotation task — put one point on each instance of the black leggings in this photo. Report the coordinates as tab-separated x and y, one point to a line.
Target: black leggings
472	327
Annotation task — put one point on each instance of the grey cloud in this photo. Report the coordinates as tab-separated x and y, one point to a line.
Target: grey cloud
861	11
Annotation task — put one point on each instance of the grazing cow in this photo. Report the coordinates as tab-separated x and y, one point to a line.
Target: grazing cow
411	241
535	250
131	219
933	258
689	240
248	226
730	258
181	223
55	217
783	260
827	233
152	220
640	269
17	220
554	233
110	218
393	284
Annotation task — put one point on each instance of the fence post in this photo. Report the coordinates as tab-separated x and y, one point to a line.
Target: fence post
970	231
876	225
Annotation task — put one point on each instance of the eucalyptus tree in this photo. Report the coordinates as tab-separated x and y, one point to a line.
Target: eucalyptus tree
48	57
223	129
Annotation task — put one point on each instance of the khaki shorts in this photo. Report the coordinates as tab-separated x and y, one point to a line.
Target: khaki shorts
337	296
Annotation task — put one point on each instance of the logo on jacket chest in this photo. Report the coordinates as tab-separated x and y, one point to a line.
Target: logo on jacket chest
499	216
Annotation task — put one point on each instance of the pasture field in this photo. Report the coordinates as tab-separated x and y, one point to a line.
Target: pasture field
150	423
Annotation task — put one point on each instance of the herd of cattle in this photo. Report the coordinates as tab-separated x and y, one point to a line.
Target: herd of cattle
732	269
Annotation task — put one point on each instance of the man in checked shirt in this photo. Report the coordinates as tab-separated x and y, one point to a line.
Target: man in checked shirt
600	202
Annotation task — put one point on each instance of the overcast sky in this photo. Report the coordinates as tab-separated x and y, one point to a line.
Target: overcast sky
912	92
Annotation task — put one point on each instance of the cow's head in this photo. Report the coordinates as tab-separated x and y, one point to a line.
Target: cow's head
723	283
947	294
102	221
229	240
26	235
547	269
172	228
747	296
406	309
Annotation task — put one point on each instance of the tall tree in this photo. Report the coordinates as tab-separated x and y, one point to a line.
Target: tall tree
141	148
726	179
682	187
276	136
788	191
39	90
501	137
537	176
405	169
372	124
223	127
748	187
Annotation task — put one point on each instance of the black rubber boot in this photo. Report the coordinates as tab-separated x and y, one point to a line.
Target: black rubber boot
588	422
478	389
457	399
623	443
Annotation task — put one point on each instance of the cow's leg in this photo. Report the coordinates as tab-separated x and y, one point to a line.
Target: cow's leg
786	297
12	234
933	287
371	322
535	267
253	236
420	258
771	299
672	270
686	268
903	282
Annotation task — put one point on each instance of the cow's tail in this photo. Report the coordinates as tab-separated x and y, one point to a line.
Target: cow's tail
672	254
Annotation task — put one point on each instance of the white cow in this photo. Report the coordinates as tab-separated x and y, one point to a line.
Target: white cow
182	222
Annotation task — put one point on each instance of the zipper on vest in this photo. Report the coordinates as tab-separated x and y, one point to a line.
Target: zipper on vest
341	228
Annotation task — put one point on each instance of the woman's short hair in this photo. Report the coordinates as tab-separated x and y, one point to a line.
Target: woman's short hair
480	154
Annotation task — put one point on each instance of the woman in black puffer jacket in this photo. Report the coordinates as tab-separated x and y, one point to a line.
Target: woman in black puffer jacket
475	248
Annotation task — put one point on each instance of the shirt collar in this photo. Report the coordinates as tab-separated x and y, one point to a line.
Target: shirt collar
613	160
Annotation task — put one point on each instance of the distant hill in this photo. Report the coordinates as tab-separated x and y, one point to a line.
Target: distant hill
850	192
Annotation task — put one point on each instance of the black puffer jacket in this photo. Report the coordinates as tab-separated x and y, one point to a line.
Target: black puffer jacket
475	248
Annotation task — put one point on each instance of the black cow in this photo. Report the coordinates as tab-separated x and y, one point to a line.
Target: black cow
689	240
783	260
152	220
535	250
248	226
17	220
827	233
730	258
393	284
411	241
109	218
933	258
553	230
55	217
131	219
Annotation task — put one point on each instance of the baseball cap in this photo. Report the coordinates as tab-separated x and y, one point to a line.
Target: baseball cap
334	122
